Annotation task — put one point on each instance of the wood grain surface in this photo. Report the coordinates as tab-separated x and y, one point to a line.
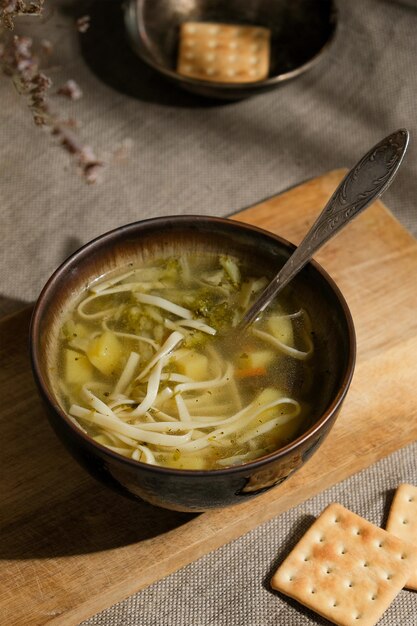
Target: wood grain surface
70	547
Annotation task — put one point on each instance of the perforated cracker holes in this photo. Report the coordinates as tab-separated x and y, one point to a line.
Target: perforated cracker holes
223	53
402	520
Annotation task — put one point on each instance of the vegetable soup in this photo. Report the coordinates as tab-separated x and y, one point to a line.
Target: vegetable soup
142	371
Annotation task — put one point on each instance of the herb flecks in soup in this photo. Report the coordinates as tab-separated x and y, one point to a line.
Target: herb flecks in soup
141	374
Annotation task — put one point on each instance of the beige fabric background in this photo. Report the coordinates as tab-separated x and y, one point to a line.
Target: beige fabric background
189	155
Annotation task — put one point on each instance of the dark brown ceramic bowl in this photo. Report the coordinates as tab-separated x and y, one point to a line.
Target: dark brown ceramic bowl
189	490
301	33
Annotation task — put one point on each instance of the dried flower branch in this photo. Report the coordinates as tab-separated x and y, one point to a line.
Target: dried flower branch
18	61
10	9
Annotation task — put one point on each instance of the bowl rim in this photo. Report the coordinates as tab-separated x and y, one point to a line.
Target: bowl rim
140	43
190	219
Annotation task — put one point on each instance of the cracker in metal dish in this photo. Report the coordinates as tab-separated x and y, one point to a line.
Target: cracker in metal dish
346	569
223	53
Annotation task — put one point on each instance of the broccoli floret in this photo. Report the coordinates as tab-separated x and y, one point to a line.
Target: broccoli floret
172	268
134	320
195	340
203	302
220	315
211	306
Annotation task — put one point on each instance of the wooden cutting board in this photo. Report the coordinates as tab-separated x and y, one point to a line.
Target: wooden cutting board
69	547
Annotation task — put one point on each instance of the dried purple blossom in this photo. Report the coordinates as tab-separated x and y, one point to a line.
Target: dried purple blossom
83	23
46	47
123	150
71	90
91	168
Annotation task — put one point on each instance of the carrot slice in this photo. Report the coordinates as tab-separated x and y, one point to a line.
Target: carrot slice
250	372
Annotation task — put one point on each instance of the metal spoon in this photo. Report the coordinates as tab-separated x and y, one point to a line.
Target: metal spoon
365	182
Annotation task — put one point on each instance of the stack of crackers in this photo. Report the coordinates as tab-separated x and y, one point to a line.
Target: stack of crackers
223	53
349	570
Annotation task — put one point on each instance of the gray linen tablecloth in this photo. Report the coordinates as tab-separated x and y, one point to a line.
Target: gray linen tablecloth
230	586
189	155
192	156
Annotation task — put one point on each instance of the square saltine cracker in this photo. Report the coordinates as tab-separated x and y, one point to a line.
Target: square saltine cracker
223	53
346	569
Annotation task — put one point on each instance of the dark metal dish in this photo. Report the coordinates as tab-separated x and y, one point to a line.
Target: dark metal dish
301	33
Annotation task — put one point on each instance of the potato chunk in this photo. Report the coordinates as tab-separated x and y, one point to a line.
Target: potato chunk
191	363
78	369
256	360
281	328
104	352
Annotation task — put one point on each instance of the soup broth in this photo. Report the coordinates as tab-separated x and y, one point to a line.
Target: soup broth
142	371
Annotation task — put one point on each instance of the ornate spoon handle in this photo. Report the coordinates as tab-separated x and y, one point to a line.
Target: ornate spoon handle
365	182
